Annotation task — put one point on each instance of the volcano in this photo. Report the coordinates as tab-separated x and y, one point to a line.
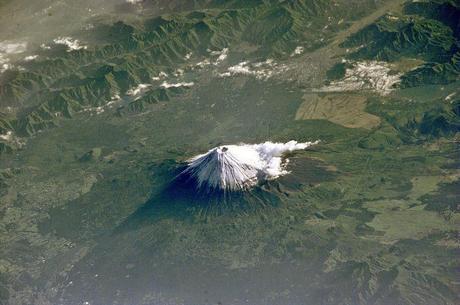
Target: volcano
240	167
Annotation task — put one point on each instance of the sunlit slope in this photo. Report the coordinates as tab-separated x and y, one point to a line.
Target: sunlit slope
426	31
420	44
367	216
60	83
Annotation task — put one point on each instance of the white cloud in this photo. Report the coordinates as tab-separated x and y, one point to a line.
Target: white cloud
238	167
71	43
176	85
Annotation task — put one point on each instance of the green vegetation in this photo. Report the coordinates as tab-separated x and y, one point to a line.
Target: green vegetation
370	215
426	30
396	36
337	71
67	82
416	120
153	97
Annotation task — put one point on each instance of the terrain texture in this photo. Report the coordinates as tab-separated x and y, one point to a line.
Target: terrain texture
95	125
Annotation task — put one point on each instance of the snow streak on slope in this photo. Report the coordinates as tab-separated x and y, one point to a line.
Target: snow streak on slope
239	167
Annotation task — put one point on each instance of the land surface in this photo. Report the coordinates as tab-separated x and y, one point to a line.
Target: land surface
93	132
